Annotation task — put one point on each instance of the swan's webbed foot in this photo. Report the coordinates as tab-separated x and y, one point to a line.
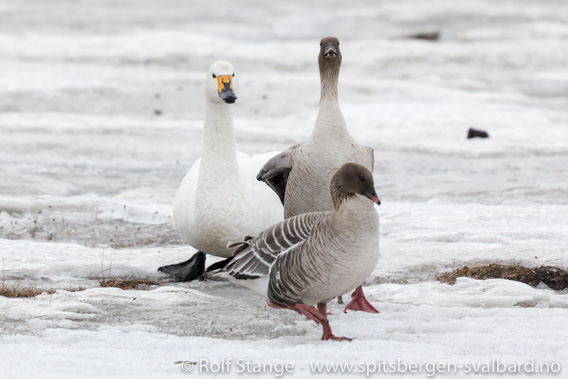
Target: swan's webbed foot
192	269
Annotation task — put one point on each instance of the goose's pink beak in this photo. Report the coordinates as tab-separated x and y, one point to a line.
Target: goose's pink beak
330	51
371	194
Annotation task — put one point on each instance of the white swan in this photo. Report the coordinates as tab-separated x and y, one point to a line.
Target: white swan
219	200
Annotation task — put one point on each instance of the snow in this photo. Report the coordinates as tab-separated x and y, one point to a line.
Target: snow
89	168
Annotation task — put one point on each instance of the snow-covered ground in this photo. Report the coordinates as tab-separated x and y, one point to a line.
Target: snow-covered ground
100	116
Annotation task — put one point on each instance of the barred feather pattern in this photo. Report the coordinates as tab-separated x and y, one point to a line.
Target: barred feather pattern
312	257
335	259
254	257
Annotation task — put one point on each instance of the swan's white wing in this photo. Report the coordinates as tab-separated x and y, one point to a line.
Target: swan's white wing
261	203
184	202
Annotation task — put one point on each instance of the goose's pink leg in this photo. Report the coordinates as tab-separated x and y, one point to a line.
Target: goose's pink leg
309	311
359	302
318	315
327	333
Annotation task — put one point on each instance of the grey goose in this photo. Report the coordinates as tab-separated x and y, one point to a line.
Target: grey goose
301	174
311	258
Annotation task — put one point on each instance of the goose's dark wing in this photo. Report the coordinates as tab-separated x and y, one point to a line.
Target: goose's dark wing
254	257
275	172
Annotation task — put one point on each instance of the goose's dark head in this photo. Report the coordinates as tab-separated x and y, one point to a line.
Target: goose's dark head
352	178
329	55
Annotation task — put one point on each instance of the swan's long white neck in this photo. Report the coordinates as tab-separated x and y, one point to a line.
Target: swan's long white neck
219	171
330	122
218	137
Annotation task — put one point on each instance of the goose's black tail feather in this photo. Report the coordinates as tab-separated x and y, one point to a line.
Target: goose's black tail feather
240	246
219	265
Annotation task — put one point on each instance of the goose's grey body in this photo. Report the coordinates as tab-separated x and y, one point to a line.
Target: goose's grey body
310	258
318	159
301	175
313	257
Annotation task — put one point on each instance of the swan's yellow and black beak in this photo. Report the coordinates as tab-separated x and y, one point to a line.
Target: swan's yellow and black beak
371	194
226	90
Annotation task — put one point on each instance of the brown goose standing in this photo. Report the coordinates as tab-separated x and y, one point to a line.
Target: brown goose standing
314	257
300	176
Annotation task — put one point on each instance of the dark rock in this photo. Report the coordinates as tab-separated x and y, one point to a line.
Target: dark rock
428	36
157	112
472	133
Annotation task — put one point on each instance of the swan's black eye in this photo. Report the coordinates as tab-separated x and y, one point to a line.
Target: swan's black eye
233	74
361	178
214	76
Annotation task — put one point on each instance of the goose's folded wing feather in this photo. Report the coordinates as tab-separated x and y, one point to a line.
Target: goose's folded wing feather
254	257
275	172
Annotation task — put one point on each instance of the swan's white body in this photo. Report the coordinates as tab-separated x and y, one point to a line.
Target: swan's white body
219	200
216	207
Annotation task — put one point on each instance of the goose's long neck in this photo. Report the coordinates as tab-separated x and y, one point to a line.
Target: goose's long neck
330	122
329	78
219	168
355	210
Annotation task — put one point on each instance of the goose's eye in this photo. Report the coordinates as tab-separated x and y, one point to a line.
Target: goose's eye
320	44
214	76
337	43
361	178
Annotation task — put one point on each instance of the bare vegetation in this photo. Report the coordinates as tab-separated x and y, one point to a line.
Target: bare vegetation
17	291
553	276
128	284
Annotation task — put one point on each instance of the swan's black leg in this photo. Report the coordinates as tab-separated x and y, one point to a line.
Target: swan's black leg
193	268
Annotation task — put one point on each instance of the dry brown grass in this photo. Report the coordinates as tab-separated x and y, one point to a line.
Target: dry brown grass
553	276
78	289
128	284
16	291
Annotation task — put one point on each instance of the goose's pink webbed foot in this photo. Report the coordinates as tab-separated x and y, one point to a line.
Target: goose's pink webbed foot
359	302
